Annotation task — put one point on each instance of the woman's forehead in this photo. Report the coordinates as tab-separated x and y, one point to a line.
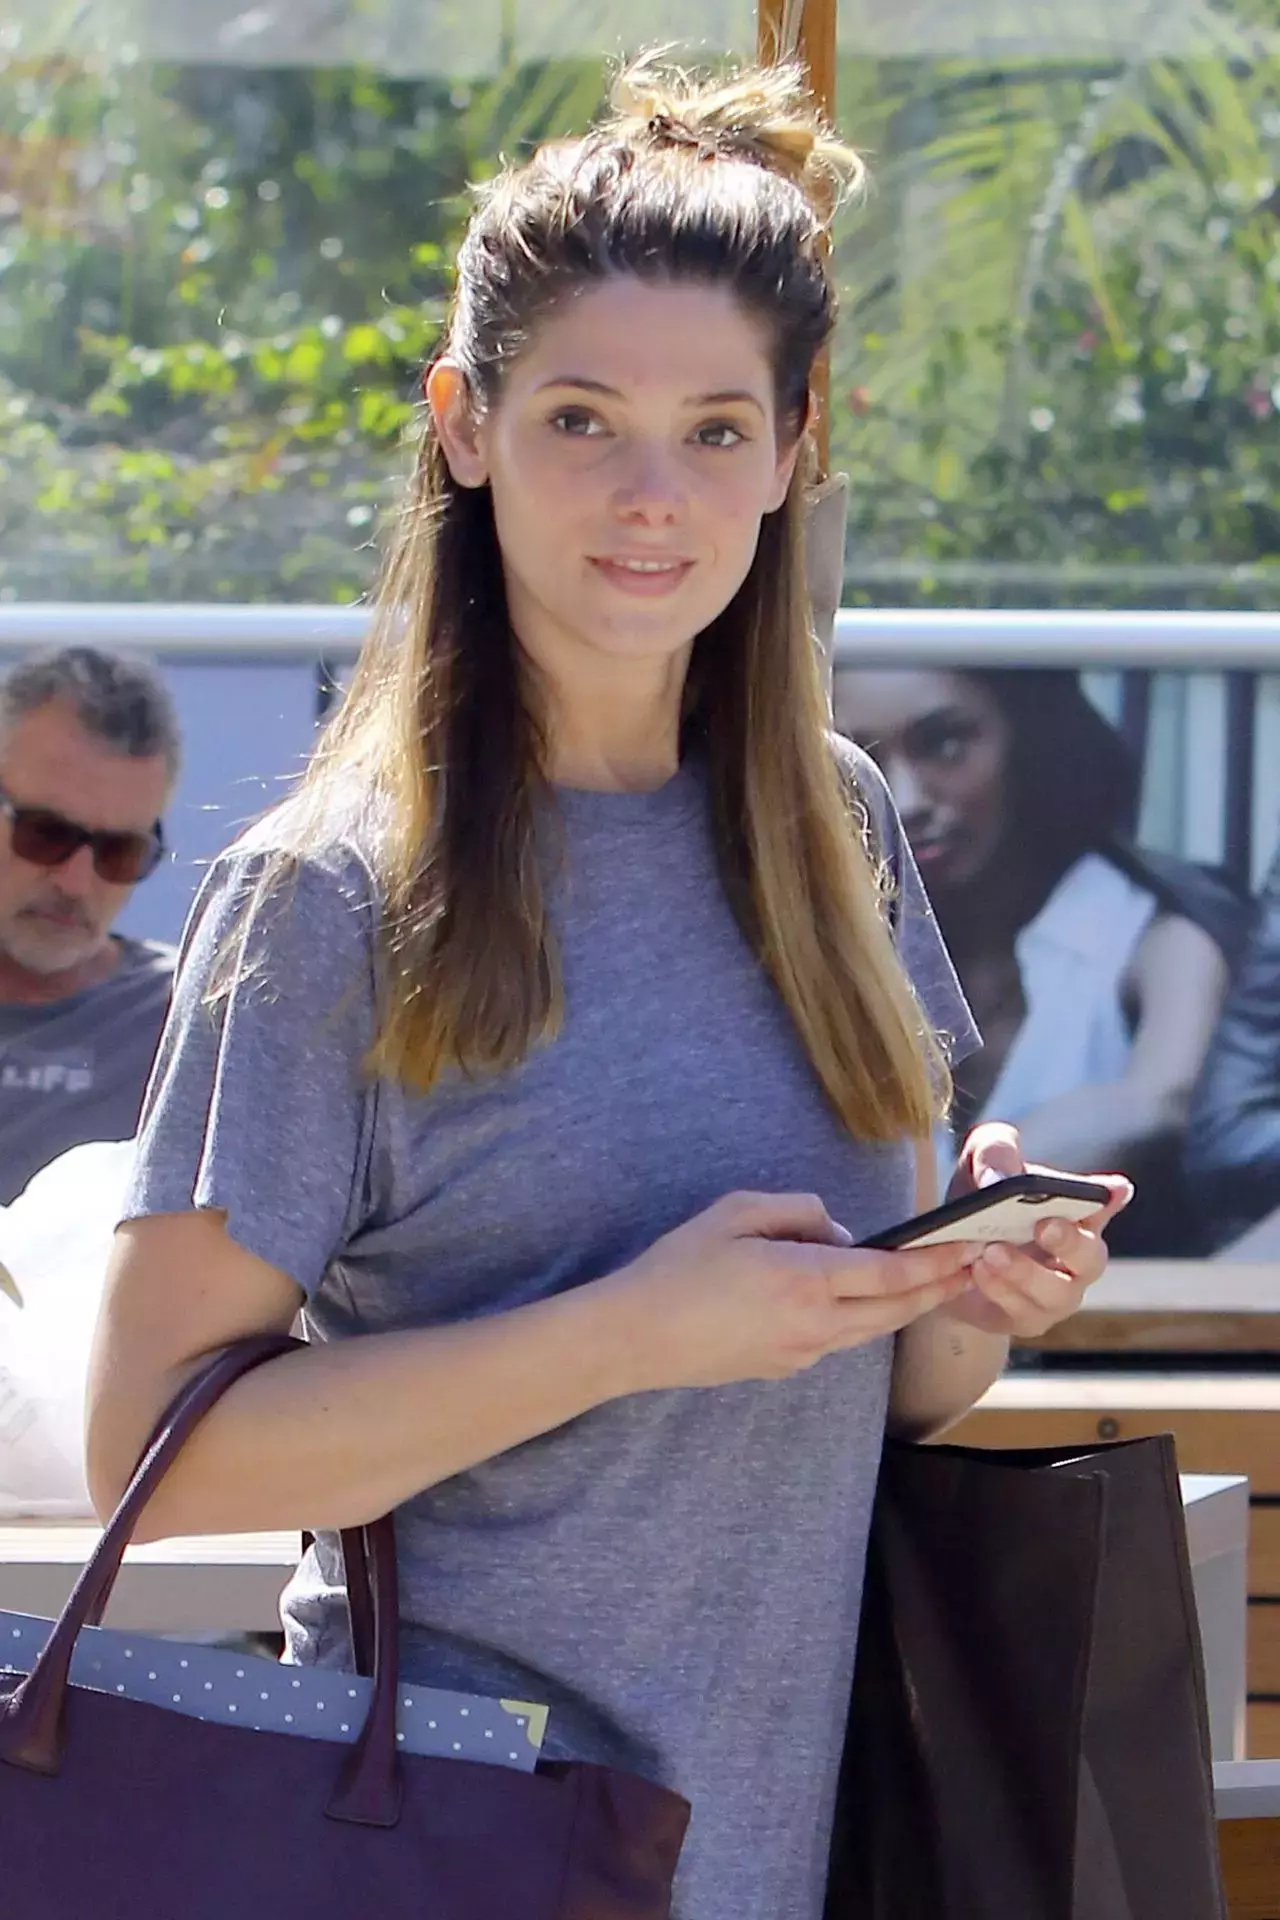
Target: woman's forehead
633	336
895	698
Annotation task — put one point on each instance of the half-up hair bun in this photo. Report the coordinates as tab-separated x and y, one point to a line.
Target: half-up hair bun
765	115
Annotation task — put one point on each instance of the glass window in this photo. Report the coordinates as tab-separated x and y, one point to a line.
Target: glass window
225	234
1058	373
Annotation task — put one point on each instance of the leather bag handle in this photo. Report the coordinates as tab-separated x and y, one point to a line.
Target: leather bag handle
354	1558
32	1717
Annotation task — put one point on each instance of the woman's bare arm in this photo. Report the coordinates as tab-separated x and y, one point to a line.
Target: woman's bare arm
332	1435
1177	978
758	1286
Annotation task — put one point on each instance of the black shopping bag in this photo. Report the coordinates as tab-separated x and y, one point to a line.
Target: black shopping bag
1028	1736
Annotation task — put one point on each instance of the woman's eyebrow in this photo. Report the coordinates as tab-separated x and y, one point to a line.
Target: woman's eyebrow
936	718
730	397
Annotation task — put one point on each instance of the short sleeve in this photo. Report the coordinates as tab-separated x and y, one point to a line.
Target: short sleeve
923	951
259	1103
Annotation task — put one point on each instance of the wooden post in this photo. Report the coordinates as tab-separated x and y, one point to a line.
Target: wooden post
806	29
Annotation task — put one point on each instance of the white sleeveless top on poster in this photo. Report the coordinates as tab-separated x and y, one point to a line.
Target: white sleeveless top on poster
1072	960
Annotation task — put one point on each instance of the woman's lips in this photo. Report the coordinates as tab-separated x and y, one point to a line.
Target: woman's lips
649	579
928	853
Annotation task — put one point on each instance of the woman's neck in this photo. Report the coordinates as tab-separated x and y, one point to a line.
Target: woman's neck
983	919
620	734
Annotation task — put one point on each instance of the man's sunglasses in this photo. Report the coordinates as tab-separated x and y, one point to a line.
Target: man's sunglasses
47	839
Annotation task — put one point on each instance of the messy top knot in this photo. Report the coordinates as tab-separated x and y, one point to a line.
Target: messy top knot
765	115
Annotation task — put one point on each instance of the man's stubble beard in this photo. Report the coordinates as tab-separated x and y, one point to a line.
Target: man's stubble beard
45	950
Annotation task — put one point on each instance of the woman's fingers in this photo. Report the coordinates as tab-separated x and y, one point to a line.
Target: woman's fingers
778	1216
1027	1290
875	1294
855	1321
1119	1188
859	1273
1032	1294
991	1151
1076	1250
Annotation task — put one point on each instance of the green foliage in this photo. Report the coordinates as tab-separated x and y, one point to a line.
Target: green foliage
1057	377
218	288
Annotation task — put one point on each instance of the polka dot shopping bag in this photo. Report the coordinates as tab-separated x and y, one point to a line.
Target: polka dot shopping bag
141	1778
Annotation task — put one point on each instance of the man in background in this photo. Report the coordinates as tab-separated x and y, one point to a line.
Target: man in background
89	754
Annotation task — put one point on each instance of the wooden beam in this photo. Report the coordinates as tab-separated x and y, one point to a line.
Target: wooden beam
777	38
806	29
1250	1852
1163	1330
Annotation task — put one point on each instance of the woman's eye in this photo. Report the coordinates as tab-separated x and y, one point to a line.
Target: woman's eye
951	747
577	422
944	741
720	433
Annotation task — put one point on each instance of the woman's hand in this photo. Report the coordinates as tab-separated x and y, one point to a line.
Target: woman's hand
1023	1291
761	1286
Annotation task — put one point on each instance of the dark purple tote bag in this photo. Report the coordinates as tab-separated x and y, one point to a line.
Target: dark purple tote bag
121	1810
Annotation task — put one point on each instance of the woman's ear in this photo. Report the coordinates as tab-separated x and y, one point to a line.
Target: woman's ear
789	451
783	474
458	426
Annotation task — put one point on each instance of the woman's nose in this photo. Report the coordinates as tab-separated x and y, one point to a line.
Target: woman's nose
909	794
651	487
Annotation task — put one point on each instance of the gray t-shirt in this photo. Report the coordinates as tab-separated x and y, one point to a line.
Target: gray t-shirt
76	1070
677	1573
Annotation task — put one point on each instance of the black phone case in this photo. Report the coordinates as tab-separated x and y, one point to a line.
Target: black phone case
1028	1186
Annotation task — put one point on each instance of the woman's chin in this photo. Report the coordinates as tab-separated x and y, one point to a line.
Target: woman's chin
642	639
937	862
948	875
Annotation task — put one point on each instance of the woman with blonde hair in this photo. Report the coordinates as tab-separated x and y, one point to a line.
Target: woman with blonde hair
552	1045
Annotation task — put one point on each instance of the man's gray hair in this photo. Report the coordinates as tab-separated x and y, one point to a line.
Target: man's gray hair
118	698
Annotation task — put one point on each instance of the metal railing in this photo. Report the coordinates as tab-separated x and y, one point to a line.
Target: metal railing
1236	649
909	636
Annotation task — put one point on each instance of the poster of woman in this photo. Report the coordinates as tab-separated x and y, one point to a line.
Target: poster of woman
1097	968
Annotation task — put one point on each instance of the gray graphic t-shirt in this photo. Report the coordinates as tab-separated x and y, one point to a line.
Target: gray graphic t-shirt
76	1070
676	1574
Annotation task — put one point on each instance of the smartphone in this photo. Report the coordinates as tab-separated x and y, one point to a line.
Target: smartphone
1009	1210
